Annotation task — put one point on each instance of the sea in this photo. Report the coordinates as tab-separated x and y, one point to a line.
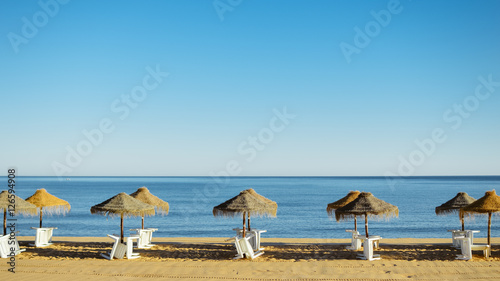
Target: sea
302	203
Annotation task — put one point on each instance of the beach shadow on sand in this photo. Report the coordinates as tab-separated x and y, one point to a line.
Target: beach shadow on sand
273	252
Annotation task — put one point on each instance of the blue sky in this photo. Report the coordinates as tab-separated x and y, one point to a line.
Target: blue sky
66	66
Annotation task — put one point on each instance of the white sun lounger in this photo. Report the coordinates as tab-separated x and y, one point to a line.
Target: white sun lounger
244	249
43	237
130	247
254	236
368	248
145	237
355	241
6	245
467	248
119	249
455	233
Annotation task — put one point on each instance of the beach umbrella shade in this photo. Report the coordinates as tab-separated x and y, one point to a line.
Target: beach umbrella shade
122	205
15	205
48	203
330	208
488	204
143	194
248	202
453	205
367	205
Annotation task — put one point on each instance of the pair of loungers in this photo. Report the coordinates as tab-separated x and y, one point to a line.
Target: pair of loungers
119	250
10	246
368	245
464	240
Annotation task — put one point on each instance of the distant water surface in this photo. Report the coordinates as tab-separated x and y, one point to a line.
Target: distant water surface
301	202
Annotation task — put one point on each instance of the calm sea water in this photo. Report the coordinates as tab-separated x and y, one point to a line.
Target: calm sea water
301	202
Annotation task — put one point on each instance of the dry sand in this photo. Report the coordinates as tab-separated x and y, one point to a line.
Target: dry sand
78	258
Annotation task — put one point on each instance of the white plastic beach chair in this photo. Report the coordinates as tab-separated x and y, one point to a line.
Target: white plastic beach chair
355	241
247	249
6	244
457	243
468	247
239	252
454	234
254	236
145	237
43	237
130	247
118	251
368	249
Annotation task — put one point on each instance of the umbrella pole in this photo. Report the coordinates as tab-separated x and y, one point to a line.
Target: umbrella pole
142	222
121	224
489	229
366	224
355	223
462	219
249	222
41	212
244	218
5	222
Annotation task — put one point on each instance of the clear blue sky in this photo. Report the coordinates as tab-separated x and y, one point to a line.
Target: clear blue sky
64	66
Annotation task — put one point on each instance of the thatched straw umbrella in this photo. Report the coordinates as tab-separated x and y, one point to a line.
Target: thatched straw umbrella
368	205
14	204
122	205
488	204
143	194
48	203
247	202
330	209
462	199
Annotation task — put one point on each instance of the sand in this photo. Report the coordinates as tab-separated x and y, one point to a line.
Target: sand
78	258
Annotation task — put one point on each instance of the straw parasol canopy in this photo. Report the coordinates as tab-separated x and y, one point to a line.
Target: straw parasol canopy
48	203
488	204
122	205
8	201
368	205
247	202
143	194
330	209
462	199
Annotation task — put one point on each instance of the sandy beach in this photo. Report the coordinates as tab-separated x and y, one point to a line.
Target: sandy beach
79	258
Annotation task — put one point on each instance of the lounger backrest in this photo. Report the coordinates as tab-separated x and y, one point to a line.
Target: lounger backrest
4	246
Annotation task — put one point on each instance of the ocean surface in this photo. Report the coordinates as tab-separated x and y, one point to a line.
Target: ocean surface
301	202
